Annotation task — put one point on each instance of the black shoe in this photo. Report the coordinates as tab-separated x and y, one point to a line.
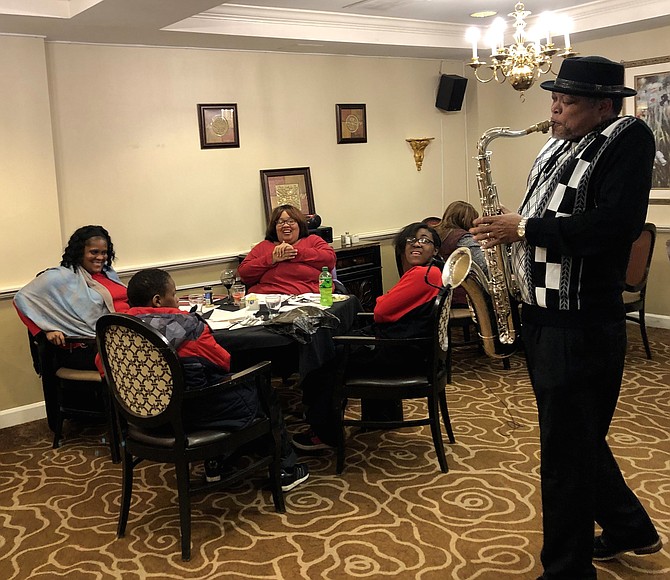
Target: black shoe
213	469
603	551
294	477
309	441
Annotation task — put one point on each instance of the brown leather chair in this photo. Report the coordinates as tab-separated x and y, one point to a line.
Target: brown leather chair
636	279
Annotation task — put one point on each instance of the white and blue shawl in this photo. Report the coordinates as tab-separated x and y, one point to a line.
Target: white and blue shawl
61	299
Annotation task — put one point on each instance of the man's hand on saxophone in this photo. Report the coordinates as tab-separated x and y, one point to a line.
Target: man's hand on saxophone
493	230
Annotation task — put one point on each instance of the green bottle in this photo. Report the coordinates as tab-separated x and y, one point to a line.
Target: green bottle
326	287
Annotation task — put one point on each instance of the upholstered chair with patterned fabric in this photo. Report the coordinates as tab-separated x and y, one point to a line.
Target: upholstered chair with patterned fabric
146	377
425	380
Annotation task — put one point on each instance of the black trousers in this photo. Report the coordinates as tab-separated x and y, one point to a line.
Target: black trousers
576	376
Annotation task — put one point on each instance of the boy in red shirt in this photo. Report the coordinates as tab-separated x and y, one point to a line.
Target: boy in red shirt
152	296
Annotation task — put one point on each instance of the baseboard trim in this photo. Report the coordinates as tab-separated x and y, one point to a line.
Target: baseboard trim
24	414
656	320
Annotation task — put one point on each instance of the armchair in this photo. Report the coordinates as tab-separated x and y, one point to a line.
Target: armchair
146	377
421	380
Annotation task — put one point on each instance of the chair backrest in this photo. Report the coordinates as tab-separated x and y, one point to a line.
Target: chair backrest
440	315
142	369
640	259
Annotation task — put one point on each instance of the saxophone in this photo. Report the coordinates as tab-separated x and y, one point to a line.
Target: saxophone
493	299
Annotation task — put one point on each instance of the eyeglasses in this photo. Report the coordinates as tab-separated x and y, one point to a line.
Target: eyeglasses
286	222
422	241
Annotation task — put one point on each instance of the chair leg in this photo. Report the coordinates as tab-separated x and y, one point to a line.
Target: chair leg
445	416
466	333
184	498
339	415
643	332
449	351
112	426
126	492
58	428
434	415
506	364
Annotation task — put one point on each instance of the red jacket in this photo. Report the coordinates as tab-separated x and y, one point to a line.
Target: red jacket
410	292
205	361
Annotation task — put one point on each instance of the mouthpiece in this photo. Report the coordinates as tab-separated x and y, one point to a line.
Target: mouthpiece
542	126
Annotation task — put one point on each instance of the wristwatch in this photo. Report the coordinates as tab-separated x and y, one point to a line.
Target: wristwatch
521	228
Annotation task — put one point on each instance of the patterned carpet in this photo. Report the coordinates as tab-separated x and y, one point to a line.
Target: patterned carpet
391	514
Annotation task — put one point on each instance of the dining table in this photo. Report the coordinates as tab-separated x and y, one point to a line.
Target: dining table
250	336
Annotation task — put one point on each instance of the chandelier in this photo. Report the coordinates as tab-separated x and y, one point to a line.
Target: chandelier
526	59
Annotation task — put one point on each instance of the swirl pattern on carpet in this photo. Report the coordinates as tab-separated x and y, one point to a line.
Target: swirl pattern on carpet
391	514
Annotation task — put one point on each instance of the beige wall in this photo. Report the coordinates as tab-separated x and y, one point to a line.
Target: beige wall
125	152
125	132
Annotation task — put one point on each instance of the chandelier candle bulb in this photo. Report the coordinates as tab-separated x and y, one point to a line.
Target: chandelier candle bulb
472	36
525	60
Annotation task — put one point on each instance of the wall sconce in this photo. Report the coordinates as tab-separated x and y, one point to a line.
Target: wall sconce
418	146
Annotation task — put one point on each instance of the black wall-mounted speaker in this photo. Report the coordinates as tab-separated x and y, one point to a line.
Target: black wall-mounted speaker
450	93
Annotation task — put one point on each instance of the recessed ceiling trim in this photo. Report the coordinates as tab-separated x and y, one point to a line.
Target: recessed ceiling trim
322	26
46	8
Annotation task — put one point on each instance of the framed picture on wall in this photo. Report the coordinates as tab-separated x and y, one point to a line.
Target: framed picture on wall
651	79
287	186
351	124
218	126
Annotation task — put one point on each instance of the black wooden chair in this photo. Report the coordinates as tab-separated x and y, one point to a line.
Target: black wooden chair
459	317
421	380
73	394
637	274
146	377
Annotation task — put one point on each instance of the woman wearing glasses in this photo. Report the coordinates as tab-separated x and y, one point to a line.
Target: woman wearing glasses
403	312
289	260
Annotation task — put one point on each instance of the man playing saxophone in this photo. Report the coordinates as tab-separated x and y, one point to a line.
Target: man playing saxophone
585	204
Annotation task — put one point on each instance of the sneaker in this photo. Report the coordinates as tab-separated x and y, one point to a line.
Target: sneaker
213	468
602	551
294	477
309	441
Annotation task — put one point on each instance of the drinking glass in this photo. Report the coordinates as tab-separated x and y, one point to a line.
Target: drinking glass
197	300
273	302
228	279
237	291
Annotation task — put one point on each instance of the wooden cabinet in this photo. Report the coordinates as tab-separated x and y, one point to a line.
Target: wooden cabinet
359	268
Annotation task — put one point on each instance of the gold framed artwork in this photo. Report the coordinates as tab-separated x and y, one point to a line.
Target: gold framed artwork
287	186
351	124
218	126
651	79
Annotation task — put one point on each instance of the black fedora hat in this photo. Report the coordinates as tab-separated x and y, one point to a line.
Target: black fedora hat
590	76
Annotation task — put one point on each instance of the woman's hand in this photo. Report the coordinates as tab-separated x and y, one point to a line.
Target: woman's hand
283	252
56	337
492	230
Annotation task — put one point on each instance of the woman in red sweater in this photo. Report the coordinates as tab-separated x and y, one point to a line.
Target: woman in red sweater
289	260
403	312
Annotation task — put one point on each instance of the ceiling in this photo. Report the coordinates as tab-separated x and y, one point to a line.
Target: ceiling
408	28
